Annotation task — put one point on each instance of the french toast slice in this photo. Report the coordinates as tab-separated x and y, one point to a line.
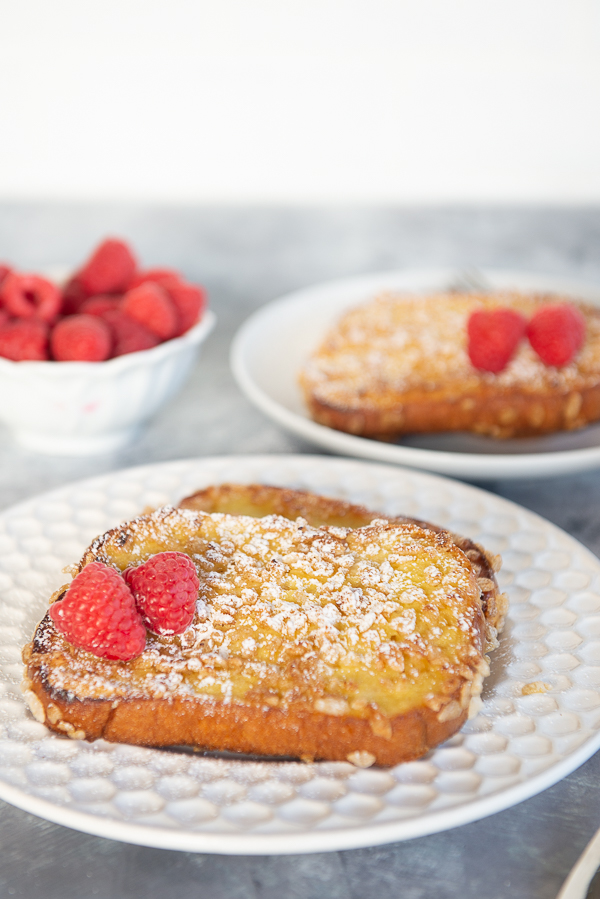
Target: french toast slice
259	500
364	644
399	365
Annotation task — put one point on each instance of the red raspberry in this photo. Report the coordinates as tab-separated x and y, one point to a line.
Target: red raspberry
99	305
28	296
165	590
493	337
4	271
129	335
155	275
151	305
4	316
98	613
81	338
188	299
25	339
73	295
110	268
557	332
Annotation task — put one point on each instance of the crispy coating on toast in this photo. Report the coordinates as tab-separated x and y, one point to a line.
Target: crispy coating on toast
259	500
328	642
399	365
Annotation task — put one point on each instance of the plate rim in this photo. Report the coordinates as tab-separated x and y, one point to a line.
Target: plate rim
315	840
454	464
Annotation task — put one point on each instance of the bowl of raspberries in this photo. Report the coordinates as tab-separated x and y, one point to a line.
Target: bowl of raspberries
85	362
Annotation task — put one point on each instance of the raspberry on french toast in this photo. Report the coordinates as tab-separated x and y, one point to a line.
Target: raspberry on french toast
400	364
330	642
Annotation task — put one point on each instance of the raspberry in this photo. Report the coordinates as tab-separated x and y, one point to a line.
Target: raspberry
98	613
4	271
81	338
99	305
73	295
557	332
493	336
28	296
151	305
24	339
165	590
129	336
188	299
110	268
155	275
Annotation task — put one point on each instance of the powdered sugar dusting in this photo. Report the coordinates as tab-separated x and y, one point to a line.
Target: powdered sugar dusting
347	621
396	344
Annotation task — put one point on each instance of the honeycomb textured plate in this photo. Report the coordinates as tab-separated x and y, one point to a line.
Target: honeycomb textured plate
521	742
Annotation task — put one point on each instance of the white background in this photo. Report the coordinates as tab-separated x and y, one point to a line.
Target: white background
302	101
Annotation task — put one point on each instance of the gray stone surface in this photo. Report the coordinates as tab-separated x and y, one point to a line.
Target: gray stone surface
247	257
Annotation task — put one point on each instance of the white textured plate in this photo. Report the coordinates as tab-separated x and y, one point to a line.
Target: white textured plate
518	745
273	344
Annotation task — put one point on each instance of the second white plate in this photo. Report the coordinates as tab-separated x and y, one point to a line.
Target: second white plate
274	343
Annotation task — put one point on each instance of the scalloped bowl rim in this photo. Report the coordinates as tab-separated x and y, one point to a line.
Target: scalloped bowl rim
109	367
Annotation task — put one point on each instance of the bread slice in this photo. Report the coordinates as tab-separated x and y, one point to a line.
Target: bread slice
259	500
399	365
333	643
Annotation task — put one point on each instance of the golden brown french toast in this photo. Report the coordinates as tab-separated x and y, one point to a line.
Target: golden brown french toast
399	365
259	500
364	644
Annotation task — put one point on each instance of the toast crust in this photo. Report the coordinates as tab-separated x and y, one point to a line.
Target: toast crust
249	728
399	365
298	709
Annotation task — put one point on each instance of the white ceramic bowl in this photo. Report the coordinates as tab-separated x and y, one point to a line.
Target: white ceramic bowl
82	408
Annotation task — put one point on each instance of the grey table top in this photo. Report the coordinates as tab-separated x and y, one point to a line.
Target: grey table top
247	257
